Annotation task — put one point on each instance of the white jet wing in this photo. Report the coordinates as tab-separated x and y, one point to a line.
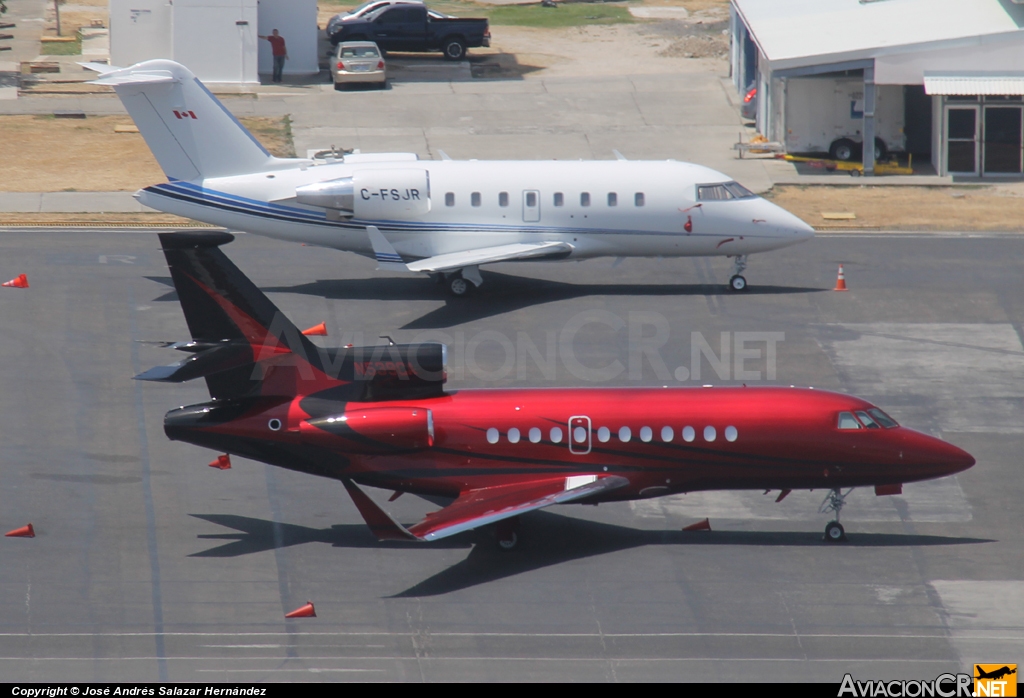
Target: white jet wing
387	258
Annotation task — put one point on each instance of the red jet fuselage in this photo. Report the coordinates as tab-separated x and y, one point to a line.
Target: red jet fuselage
662	440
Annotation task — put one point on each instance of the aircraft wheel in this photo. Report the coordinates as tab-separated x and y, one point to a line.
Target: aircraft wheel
834	532
458	286
508	542
738	283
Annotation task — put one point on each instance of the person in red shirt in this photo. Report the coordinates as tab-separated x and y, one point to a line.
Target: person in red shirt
280	53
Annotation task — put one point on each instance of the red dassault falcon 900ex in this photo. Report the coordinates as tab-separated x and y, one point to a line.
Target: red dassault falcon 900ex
381	417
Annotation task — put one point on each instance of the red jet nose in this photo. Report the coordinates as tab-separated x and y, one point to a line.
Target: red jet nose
936	457
955	459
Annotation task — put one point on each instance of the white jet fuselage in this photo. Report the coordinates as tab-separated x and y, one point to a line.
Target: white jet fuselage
612	208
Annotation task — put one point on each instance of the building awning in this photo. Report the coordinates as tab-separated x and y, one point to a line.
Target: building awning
974	83
799	33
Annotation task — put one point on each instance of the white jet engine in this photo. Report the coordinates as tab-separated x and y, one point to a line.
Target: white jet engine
372	194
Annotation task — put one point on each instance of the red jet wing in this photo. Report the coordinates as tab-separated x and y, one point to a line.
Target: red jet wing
475	508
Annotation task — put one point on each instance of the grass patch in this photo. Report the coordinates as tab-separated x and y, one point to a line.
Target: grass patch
566	15
569	14
275	133
62	48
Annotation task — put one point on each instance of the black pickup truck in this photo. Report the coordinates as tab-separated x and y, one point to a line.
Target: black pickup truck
412	28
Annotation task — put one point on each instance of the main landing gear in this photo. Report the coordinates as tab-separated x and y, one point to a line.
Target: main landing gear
737	282
506	533
461	282
834	531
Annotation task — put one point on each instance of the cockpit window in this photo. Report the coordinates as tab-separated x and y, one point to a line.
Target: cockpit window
882	418
848	421
722	192
866	420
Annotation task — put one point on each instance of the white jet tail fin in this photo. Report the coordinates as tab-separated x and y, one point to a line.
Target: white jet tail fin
192	135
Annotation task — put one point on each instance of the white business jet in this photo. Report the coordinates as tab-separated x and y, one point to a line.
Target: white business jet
441	217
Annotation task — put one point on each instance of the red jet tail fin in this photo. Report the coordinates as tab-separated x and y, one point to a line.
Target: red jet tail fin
233	324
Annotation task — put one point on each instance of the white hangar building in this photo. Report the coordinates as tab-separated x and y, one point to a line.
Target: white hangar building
218	40
942	79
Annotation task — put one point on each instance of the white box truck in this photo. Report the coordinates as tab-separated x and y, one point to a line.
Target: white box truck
826	115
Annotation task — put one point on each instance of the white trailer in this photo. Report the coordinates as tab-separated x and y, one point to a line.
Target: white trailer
826	115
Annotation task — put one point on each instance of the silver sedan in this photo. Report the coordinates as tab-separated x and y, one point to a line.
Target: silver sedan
358	61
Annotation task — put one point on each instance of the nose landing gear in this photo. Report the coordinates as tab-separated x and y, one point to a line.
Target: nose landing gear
834	531
737	282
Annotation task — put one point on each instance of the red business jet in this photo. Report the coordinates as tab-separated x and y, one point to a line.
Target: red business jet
381	417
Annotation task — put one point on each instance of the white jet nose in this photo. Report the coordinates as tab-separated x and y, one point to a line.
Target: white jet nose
788	225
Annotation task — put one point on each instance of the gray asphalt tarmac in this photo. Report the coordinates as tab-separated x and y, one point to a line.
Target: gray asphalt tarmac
148	565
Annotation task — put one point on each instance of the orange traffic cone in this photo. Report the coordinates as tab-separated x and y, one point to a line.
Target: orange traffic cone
316	330
223	462
306	611
704	525
841	281
19	281
23	532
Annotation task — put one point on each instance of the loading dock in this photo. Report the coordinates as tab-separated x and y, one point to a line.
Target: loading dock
929	75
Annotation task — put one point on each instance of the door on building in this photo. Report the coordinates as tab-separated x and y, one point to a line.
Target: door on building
1001	152
962	136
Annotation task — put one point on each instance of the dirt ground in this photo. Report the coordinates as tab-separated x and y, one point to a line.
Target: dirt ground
74	15
88	155
995	207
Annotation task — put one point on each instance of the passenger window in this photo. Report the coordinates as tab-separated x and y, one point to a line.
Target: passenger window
666	434
866	420
556	435
474	198
848	421
559	199
449	199
534	435
625	434
513	435
603	434
585	199
646	434
882	418
613	199
531	199
503	199
638	199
